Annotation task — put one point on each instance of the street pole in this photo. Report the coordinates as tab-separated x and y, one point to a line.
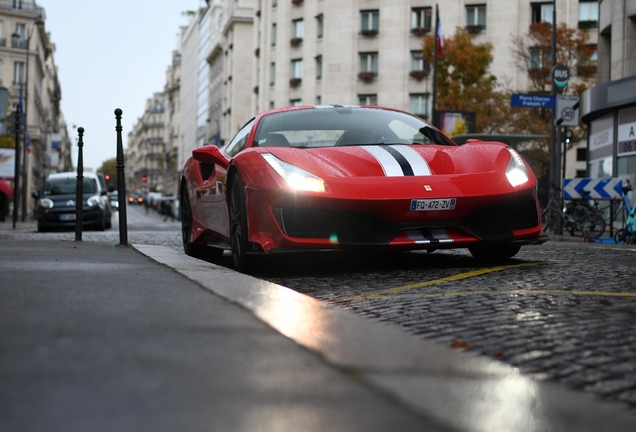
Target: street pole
16	174
555	174
121	182
79	190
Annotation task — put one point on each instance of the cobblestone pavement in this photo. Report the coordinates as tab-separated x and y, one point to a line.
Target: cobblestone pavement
563	311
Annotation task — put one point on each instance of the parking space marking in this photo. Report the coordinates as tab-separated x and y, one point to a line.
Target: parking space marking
513	292
392	291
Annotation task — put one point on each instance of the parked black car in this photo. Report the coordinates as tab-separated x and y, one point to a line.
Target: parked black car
57	209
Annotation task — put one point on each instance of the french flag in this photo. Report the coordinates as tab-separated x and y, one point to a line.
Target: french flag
439	39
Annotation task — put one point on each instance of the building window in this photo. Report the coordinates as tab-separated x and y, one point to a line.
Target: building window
419	67
421	20
419	104
274	3
417	61
274	34
475	18
272	74
297	68
319	26
18	73
368	99
271	104
318	100
370	22
588	14
542	12
369	62
368	66
319	67
298	28
581	155
581	173
295	102
540	58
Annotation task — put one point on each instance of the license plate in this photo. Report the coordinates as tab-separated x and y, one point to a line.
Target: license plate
433	204
67	217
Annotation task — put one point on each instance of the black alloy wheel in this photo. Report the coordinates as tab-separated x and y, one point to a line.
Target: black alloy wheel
238	226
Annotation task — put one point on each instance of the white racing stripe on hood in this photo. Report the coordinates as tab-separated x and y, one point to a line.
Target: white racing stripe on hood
391	165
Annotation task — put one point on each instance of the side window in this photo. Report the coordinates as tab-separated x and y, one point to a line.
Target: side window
240	139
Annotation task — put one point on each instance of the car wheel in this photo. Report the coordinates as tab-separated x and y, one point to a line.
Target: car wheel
546	220
492	253
189	248
238	226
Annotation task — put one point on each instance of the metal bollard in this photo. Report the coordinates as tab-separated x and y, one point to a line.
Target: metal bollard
121	183
79	192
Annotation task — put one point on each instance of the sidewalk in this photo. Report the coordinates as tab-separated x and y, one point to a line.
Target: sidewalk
144	338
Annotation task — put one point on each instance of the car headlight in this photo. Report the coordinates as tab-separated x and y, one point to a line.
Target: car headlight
46	203
517	173
297	178
93	201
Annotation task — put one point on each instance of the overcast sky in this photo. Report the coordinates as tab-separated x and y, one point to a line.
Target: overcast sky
111	54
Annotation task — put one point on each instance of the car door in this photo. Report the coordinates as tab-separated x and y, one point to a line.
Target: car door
213	189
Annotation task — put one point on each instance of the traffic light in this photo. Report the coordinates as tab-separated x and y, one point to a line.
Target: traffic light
107	177
568	136
144	179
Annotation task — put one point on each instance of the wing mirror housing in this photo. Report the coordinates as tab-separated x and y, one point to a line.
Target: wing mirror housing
210	154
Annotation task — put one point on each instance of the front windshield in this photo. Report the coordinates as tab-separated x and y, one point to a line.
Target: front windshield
344	126
68	185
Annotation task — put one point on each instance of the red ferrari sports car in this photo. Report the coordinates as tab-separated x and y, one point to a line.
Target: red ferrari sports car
333	178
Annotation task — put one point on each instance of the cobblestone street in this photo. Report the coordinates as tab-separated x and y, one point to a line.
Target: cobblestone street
563	311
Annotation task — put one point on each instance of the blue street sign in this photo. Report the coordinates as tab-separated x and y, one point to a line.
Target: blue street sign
599	188
532	101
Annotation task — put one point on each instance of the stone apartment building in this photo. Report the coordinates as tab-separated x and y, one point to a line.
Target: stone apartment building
146	150
27	66
240	57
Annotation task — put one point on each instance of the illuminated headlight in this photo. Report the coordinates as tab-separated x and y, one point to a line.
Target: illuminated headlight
46	203
298	179
517	173
93	201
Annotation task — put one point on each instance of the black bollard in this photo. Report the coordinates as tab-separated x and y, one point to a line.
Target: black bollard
121	183
16	175
79	193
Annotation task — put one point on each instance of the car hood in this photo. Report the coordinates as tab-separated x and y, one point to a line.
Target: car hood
397	160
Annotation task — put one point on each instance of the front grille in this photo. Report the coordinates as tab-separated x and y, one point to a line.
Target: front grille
498	221
346	226
491	223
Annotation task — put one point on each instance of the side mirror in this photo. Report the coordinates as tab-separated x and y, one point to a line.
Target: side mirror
210	154
35	194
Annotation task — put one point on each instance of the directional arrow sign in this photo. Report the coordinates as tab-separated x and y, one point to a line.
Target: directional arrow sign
598	188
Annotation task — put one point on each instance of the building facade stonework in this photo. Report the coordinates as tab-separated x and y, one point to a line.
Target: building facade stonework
28	71
240	57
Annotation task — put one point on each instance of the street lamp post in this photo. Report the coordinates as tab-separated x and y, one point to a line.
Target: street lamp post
15	38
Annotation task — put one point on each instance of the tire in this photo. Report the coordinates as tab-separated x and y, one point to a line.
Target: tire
191	249
238	227
593	225
494	253
622	236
